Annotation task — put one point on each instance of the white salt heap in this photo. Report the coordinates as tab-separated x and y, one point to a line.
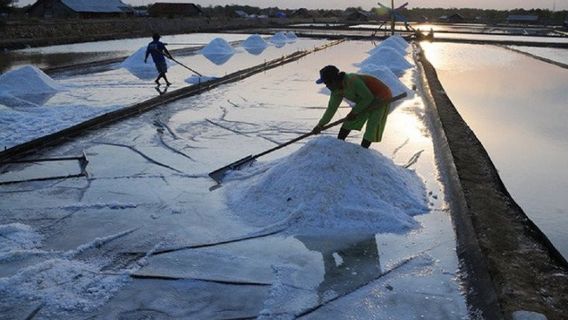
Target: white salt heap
400	40
279	38
17	236
291	36
254	41
194	79
385	74
392	43
28	80
388	57
218	51
135	64
328	185
218	46
254	44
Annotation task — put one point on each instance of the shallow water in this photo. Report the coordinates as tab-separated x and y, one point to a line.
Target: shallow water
516	105
137	180
85	52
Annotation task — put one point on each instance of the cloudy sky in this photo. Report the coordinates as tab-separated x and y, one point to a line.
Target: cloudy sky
367	4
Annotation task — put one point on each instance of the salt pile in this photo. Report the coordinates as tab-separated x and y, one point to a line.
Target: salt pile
28	80
291	36
393	43
199	79
400	40
254	41
328	185
218	51
254	44
61	284
388	57
218	46
9	101
144	71
279	39
17	236
384	74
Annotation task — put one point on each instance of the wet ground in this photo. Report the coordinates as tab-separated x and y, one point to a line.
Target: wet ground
104	238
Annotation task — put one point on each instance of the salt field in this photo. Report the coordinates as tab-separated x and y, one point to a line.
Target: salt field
126	220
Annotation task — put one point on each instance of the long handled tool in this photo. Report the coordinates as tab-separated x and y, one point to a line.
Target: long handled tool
220	173
188	68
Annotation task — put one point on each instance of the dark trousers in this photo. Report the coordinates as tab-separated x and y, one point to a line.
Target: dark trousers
343	133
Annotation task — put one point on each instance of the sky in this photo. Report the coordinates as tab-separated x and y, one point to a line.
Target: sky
367	4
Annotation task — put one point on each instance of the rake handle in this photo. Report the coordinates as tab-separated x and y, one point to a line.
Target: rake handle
188	68
305	135
330	125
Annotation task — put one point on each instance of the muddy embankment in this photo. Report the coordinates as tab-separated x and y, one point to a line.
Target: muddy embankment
510	264
33	33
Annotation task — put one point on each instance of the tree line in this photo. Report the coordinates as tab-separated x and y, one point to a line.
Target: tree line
414	14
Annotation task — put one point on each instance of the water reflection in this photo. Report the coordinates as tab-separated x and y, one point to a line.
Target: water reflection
255	50
349	261
218	58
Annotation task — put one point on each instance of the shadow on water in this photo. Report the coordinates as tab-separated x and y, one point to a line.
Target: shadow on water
350	261
218	59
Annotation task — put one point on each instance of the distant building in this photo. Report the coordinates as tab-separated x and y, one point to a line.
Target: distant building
241	14
523	19
356	15
167	9
79	9
453	18
301	13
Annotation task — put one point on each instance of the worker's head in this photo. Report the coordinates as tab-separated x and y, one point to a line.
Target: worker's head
156	37
331	76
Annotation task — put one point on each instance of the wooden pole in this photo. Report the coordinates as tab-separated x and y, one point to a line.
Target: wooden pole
392	17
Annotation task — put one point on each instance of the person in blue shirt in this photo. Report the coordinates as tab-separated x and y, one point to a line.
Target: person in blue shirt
158	50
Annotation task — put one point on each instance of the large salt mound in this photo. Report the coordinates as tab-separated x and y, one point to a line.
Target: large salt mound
388	57
390	43
135	64
400	40
279	38
254	44
218	51
291	36
384	74
218	46
328	185
28	80
254	41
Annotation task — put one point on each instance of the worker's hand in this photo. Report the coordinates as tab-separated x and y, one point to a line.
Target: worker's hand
317	129
351	116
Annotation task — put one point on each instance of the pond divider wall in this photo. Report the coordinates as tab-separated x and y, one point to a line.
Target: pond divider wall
509	264
30	147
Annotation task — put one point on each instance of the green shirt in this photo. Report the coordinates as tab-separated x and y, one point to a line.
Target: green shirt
355	90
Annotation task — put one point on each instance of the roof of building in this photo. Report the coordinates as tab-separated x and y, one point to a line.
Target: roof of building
103	6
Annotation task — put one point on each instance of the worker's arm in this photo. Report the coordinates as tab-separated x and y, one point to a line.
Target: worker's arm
167	53
334	101
146	56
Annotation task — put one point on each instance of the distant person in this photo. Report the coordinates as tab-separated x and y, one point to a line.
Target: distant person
430	35
158	50
370	95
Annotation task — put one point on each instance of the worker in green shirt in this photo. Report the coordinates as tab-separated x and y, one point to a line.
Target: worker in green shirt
372	102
